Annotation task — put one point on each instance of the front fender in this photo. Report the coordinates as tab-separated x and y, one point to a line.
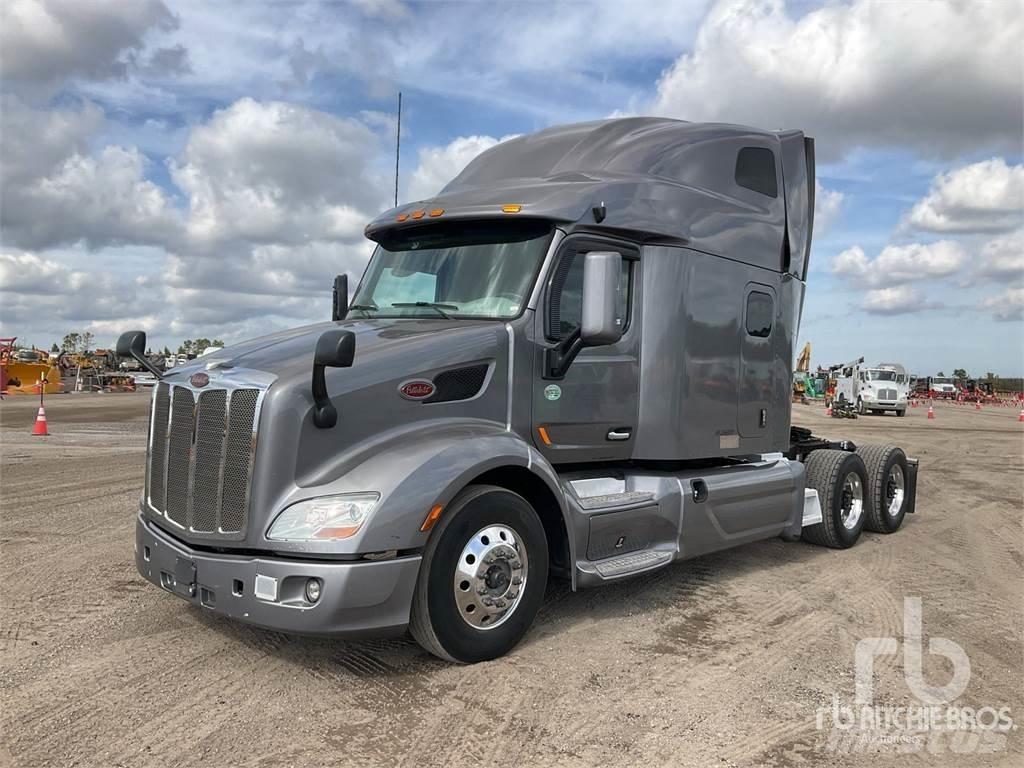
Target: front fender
413	469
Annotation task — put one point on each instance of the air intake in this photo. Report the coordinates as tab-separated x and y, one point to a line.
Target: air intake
458	384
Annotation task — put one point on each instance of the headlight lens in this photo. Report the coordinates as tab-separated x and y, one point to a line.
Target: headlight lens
325	518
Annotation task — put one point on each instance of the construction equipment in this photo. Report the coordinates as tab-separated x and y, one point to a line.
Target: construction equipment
803	385
21	370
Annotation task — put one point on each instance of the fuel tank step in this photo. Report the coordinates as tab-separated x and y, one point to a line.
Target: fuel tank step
612	500
634	562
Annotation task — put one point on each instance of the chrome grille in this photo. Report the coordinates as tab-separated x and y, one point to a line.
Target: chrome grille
200	457
887	394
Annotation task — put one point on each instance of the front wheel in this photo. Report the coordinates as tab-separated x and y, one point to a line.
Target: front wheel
483	576
860	406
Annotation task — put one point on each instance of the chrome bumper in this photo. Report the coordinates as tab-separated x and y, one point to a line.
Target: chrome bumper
356	598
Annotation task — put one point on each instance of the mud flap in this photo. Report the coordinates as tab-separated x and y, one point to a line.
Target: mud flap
912	485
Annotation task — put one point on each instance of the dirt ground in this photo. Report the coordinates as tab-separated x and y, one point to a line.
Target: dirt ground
724	660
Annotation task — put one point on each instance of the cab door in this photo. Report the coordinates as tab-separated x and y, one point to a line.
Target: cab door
588	411
757	365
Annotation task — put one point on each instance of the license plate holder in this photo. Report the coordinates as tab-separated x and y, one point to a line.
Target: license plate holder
185	577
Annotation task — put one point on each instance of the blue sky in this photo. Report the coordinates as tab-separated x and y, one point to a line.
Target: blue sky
204	169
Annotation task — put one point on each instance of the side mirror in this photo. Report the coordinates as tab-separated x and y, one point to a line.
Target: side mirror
133	344
339	303
601	324
334	349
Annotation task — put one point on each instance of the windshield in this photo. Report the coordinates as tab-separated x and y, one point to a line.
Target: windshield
882	376
477	270
937	380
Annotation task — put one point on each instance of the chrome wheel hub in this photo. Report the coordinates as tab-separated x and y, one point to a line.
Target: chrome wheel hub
851	501
895	490
490	577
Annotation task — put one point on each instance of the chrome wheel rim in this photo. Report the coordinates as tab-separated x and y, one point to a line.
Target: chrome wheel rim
895	490
490	578
851	501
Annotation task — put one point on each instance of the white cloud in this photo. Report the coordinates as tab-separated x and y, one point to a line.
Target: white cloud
439	165
898	264
279	173
54	193
894	301
1007	306
982	197
1002	258
48	41
941	76
827	205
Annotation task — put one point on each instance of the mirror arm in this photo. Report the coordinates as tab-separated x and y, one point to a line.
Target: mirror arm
557	359
325	415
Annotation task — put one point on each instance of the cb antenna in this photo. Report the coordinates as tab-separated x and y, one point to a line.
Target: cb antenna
398	144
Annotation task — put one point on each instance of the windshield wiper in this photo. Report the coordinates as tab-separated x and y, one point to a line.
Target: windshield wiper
364	307
434	305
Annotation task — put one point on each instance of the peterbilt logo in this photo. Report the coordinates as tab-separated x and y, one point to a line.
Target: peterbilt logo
199	379
417	389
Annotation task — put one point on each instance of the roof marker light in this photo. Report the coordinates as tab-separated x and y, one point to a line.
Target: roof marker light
437	212
513	208
403	216
418	214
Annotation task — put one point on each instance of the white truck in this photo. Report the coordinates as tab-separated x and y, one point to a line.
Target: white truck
884	387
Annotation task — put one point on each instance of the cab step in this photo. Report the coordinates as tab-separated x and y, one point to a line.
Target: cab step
632	562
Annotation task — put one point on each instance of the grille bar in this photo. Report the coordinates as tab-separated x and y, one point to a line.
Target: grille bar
199	469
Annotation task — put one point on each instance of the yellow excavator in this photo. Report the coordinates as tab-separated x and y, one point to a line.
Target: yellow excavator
21	370
802	384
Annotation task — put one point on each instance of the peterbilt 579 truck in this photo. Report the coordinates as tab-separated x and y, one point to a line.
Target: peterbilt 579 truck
573	362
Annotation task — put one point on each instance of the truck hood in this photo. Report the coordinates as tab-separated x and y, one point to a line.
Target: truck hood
410	342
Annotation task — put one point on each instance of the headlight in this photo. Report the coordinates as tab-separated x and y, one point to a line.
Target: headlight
324	518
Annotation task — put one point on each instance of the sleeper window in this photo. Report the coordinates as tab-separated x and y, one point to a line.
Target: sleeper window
755	169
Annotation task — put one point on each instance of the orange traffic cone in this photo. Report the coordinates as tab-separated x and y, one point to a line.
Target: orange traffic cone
39	428
931	412
977	405
828	410
1021	417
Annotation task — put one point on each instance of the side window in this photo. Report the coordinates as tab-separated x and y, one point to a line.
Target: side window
755	169
760	310
565	312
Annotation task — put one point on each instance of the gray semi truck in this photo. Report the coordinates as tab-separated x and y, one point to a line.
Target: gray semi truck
573	362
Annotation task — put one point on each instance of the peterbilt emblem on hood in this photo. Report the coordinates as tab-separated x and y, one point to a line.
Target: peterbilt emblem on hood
417	389
199	379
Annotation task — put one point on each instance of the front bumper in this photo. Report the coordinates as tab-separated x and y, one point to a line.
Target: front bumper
361	598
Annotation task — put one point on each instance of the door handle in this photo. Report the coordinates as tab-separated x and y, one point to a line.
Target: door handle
622	433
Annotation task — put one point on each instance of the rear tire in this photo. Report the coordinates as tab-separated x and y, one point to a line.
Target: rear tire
887	487
477	595
841	481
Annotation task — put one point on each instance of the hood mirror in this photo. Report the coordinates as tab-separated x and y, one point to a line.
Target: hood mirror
133	344
334	349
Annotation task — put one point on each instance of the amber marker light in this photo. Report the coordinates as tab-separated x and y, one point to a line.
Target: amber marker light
418	214
403	216
544	435
432	517
511	208
437	212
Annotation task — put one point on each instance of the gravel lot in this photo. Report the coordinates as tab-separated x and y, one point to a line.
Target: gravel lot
724	660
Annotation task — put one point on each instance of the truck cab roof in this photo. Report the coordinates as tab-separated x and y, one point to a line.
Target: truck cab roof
710	186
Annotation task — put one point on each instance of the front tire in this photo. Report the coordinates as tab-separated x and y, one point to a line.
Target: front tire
860	406
887	487
483	576
841	480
